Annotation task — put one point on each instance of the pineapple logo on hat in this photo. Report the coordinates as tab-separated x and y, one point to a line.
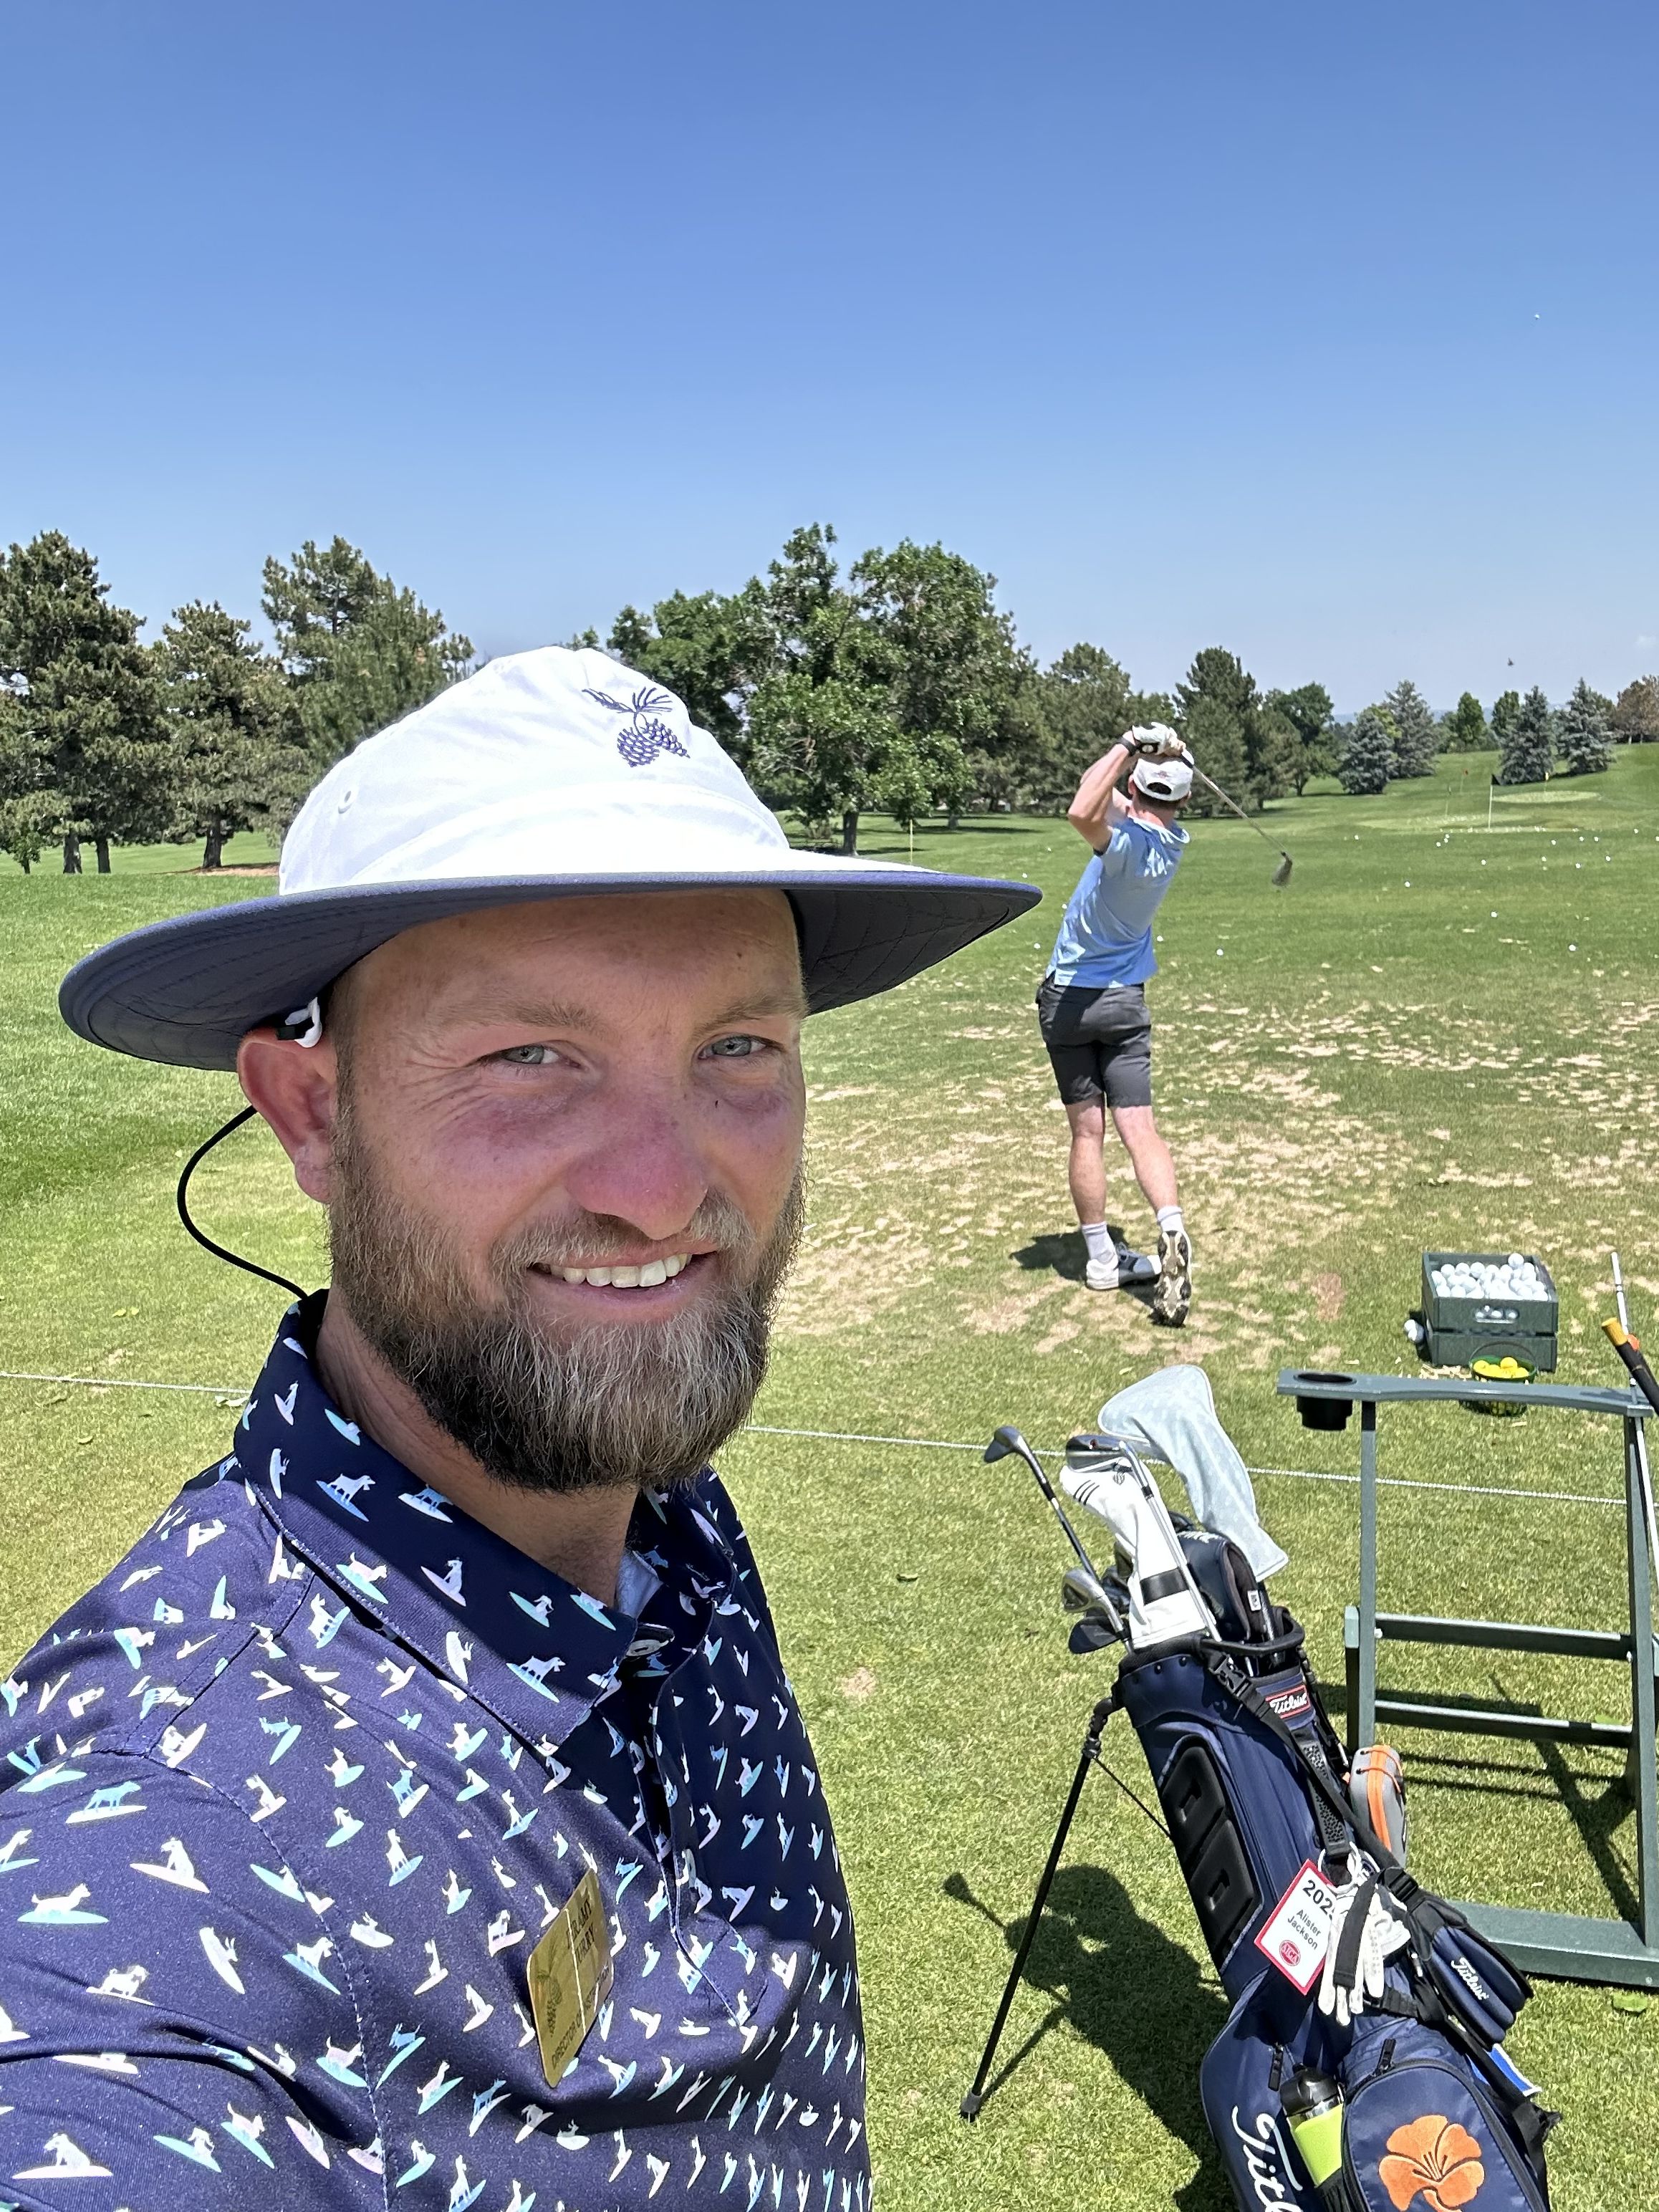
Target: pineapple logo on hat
647	734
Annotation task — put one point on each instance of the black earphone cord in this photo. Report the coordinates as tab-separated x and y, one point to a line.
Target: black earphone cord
207	1243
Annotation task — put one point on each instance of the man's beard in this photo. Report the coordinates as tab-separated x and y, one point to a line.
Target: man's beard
639	1405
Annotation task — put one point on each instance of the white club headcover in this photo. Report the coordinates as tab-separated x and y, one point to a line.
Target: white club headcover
1128	1501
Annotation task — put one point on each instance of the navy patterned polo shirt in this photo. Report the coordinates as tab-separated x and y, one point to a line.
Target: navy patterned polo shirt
289	1799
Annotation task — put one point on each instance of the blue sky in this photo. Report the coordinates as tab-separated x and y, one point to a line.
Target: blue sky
1327	334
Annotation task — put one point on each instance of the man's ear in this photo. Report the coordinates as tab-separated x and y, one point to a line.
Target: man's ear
294	1087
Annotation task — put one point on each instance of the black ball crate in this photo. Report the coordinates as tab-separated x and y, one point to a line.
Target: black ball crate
1459	1331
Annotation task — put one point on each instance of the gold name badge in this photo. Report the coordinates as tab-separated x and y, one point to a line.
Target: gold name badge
570	1976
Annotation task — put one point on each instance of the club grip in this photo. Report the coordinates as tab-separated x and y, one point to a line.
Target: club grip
1631	1352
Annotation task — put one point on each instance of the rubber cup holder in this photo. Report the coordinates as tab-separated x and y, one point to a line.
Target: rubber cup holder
1323	1413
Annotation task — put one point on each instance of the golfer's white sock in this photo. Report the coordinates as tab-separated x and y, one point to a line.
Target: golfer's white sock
1098	1238
1170	1217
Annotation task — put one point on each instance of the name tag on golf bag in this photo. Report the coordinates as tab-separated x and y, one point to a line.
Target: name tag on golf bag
1254	1785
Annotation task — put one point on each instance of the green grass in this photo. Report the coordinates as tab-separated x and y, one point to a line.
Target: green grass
1434	1035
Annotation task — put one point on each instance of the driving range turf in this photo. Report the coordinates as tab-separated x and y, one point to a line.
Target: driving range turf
1435	1037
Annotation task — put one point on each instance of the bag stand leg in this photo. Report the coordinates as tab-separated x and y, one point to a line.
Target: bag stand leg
1090	1757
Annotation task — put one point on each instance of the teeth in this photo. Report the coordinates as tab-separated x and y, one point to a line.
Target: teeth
645	1278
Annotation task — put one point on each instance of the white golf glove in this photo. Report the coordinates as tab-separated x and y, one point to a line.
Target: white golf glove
1157	741
1367	1929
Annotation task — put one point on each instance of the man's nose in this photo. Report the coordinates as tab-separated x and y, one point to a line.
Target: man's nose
643	1165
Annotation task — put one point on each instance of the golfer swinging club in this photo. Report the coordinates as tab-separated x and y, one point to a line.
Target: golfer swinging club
1092	1005
420	1814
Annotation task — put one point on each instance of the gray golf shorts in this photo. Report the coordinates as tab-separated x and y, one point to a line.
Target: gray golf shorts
1100	1042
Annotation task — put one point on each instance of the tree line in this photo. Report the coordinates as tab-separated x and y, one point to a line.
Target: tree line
1401	736
893	684
105	740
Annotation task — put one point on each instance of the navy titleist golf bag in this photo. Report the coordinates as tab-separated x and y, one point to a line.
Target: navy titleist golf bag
1411	2105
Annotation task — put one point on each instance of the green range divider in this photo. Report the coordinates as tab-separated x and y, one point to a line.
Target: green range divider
1575	1946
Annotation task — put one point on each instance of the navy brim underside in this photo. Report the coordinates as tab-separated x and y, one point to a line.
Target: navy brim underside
186	991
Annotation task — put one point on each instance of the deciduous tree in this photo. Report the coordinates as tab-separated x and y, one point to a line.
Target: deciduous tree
933	635
823	738
1585	734
1311	719
1083	703
709	648
1636	712
1464	730
237	756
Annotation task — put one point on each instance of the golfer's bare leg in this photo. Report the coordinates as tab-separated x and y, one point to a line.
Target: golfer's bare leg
1086	1169
1149	1156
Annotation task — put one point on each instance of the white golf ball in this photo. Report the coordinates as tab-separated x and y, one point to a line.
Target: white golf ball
1515	1260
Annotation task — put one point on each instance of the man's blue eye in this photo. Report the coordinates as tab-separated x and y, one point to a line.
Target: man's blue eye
529	1056
736	1048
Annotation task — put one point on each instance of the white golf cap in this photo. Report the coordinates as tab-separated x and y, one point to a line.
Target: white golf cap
1168	780
548	775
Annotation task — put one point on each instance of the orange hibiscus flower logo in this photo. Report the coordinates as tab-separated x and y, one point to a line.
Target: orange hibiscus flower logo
1435	2157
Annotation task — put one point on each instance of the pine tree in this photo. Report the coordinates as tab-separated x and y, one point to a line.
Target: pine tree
237	761
1368	756
1586	734
25	775
358	652
1505	712
86	752
1526	748
1417	738
1248	750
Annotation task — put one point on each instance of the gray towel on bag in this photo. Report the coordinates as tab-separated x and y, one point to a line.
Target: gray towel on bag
1173	1412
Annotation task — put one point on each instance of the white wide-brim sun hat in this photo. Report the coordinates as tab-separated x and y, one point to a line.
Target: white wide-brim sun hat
548	775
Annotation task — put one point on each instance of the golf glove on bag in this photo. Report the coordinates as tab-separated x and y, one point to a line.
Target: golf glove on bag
1367	1929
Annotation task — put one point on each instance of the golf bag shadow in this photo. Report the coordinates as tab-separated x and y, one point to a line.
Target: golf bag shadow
1411	2101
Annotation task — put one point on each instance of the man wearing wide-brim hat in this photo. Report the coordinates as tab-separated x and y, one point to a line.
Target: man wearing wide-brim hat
421	1813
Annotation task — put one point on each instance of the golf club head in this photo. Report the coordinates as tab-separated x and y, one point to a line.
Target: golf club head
1004	1441
1281	874
1079	1591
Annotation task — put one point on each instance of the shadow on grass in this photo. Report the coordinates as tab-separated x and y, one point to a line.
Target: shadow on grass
1122	1984
1598	1804
1062	1252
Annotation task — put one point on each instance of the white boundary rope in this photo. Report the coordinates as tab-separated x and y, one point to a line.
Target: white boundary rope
908	1444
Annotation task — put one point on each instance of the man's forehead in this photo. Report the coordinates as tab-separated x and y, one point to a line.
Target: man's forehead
736	951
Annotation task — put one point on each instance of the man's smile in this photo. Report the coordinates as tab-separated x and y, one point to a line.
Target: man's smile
653	1274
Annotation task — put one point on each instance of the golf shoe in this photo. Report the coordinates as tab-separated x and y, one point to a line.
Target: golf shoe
1124	1266
1172	1295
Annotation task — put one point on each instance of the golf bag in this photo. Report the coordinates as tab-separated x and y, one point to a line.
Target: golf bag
1415	2094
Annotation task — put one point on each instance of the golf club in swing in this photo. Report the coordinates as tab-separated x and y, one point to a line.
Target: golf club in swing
1281	874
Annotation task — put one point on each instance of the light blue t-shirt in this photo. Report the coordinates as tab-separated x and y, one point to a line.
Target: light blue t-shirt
1106	931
